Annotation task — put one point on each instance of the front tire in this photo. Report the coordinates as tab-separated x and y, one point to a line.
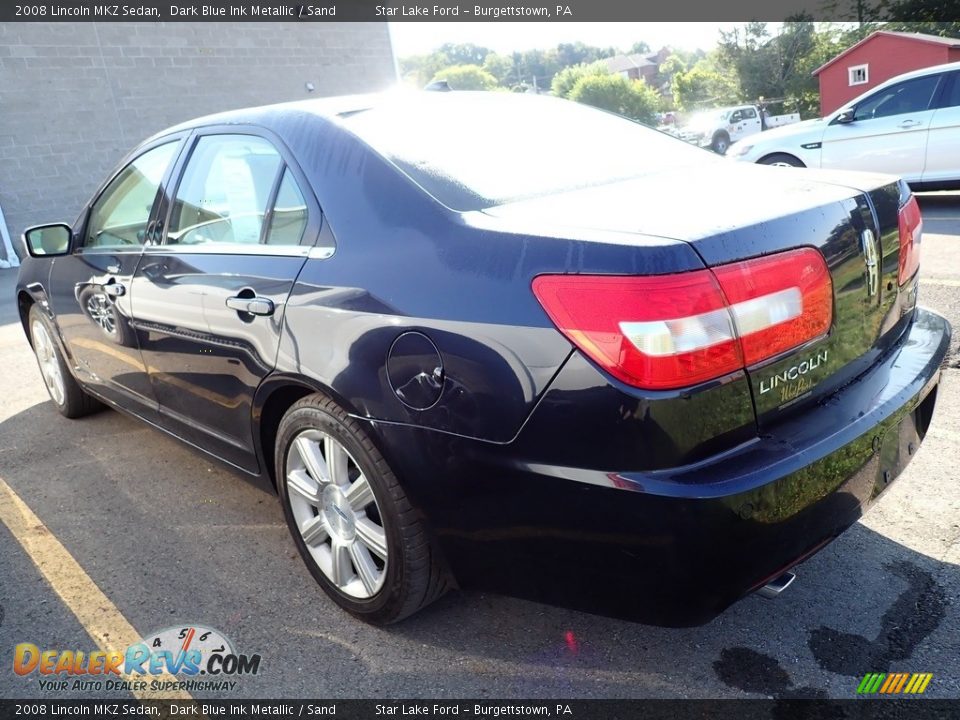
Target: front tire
350	519
781	160
70	399
720	143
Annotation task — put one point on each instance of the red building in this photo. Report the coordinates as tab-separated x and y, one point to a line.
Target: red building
878	58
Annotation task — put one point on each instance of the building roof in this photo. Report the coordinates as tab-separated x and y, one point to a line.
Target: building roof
918	37
629	62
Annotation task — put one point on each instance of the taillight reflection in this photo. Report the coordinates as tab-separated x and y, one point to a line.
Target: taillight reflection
911	229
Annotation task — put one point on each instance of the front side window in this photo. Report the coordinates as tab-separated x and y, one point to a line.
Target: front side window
120	215
225	191
906	97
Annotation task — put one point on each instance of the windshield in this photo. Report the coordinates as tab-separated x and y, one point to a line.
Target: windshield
476	150
709	117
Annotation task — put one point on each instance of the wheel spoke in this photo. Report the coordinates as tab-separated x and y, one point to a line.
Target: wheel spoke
364	566
360	494
336	458
299	483
339	564
314	531
309	452
372	536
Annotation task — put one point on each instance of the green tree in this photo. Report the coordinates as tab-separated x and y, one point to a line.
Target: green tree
564	81
578	53
631	98
467	77
501	67
705	85
778	66
463	53
639	48
418	70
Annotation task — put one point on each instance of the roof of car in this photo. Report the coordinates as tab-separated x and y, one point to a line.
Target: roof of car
328	107
332	109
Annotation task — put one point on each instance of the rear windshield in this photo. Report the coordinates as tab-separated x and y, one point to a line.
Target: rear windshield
476	150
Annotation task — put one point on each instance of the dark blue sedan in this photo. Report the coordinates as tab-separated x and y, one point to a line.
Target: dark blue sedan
505	342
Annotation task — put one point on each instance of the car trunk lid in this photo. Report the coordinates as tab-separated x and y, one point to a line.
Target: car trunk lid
729	213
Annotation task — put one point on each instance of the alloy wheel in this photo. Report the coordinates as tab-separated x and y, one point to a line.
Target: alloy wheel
49	363
336	514
101	311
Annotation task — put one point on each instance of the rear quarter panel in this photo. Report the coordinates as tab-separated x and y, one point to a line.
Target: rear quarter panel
404	262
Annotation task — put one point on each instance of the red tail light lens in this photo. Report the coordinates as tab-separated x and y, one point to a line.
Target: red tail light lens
911	229
778	302
669	331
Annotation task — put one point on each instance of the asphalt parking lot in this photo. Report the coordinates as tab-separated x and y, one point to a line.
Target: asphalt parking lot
168	537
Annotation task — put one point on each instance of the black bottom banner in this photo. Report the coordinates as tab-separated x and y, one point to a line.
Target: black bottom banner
785	709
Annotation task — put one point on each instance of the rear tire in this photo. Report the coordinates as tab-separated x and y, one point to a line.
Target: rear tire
781	160
351	520
71	400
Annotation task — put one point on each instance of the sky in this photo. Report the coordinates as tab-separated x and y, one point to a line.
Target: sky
413	38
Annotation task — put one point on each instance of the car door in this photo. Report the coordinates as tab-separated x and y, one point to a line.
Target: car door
209	299
90	287
888	132
743	122
943	144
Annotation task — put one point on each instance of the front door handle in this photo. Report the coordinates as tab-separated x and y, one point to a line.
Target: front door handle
115	289
251	306
909	124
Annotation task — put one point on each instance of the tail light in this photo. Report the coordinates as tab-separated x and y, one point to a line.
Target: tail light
911	228
669	331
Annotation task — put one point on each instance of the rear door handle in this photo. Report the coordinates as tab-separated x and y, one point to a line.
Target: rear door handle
252	306
115	289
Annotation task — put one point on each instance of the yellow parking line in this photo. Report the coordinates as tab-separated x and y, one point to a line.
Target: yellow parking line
101	619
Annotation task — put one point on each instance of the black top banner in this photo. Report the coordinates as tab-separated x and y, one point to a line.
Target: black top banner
473	10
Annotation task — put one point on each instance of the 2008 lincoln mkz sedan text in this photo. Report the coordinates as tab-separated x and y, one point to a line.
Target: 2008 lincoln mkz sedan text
502	342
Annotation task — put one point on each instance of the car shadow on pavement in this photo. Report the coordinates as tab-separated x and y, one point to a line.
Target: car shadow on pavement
864	604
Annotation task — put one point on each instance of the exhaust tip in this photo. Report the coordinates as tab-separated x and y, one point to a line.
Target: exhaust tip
776	586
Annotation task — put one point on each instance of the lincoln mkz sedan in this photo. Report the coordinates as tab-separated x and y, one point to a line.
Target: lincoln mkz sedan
502	342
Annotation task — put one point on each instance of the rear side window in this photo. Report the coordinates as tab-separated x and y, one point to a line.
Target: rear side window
906	97
225	191
289	213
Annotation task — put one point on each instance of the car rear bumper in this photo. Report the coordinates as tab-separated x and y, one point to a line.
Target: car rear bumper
677	546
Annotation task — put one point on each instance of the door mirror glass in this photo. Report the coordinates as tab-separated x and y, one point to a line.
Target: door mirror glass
845	116
47	240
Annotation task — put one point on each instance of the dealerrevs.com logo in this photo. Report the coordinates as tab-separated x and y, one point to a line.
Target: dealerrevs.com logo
198	657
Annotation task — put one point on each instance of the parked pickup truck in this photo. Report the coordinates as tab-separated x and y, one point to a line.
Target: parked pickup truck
719	127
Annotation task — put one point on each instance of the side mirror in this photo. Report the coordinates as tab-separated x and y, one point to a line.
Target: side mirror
845	116
48	240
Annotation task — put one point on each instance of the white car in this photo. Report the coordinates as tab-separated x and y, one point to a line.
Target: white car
908	126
